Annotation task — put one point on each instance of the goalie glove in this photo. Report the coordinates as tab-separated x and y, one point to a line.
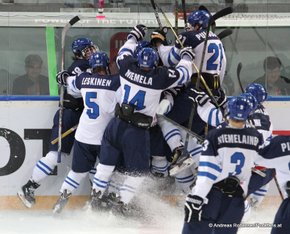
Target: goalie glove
159	37
138	32
61	77
193	208
199	97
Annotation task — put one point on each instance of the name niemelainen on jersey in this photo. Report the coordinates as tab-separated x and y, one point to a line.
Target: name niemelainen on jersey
240	139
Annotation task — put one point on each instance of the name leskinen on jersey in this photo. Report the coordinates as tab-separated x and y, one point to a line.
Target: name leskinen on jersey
100	95
96	81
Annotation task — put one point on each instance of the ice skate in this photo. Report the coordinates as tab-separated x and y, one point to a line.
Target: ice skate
26	194
182	164
98	202
61	202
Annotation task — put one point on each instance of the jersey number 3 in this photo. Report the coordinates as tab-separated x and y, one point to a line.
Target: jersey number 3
238	158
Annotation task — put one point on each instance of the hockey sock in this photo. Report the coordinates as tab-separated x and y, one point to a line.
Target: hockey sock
44	167
129	188
185	179
72	181
159	165
102	177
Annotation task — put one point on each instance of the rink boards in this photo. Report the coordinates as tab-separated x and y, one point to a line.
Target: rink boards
25	134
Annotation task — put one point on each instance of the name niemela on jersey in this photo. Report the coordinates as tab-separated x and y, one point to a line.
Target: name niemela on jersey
239	139
138	78
96	81
202	35
285	146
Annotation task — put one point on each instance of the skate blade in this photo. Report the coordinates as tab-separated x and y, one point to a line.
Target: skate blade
179	168
24	201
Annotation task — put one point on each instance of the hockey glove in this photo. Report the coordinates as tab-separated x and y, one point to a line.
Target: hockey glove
187	53
192	208
221	97
138	32
199	97
159	37
61	77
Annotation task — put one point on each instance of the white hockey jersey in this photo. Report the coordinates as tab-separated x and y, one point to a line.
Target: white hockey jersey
99	94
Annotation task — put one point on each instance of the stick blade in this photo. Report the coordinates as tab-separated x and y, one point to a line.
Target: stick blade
239	68
74	20
222	13
225	33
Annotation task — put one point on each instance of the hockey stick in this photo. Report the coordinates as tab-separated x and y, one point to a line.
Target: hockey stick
64	134
176	15
191	133
193	64
156	13
184	12
63	34
225	33
239	68
278	187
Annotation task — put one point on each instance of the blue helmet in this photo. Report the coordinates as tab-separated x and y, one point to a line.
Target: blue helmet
251	99
239	108
99	59
80	44
140	46
199	17
148	58
258	91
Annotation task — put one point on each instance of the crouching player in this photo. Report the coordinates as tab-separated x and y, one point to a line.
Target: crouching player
217	200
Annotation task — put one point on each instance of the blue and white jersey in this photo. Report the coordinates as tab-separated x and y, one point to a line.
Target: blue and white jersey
214	59
79	66
260	119
99	94
210	114
227	152
142	88
277	155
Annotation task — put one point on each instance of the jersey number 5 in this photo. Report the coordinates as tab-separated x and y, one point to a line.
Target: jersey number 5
93	108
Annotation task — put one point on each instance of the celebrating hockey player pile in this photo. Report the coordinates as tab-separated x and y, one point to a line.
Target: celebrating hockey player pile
130	124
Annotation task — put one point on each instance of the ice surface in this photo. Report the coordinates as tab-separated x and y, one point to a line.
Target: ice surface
163	219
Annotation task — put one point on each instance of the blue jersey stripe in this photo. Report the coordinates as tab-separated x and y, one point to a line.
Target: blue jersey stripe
207	174
210	165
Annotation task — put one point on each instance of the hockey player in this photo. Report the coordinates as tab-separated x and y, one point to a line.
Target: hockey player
99	94
259	119
277	155
214	65
82	49
213	73
216	203
127	137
